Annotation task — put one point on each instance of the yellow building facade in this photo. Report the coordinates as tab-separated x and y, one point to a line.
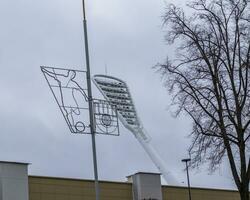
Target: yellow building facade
16	184
47	188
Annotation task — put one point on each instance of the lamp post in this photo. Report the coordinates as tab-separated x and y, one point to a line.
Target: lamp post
90	100
186	160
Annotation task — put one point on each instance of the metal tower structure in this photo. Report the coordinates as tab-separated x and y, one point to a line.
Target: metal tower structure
117	93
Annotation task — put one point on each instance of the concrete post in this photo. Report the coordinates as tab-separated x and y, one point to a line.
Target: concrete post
146	186
14	181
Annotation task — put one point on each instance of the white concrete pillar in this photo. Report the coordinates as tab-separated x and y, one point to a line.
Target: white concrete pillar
146	186
14	181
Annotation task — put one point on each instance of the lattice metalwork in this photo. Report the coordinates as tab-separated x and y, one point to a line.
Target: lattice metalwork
70	95
106	120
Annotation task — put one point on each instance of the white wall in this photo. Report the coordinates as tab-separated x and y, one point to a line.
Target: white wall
146	186
14	181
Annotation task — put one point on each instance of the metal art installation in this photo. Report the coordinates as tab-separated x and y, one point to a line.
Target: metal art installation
117	93
72	99
106	120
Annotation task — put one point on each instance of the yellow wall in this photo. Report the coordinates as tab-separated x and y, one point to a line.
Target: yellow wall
46	188
181	193
42	188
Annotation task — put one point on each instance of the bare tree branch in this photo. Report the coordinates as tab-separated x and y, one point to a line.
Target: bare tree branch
209	80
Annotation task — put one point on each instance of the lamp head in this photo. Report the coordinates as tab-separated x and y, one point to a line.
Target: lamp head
117	93
186	160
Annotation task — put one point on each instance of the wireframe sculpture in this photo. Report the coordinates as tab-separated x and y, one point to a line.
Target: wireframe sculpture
106	120
72	99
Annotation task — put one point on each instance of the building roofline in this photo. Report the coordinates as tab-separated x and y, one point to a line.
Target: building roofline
200	188
152	173
78	179
11	162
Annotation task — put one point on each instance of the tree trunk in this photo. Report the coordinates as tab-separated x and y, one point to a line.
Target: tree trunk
244	193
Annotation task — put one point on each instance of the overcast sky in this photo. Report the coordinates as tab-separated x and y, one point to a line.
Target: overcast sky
126	36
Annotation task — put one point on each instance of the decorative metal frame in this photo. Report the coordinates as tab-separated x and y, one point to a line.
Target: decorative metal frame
106	119
72	100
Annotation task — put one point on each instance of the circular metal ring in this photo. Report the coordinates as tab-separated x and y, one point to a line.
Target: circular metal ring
106	120
80	127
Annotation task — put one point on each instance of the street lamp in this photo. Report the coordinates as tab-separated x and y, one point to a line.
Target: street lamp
186	160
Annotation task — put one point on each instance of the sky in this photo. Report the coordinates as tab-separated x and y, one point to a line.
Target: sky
127	39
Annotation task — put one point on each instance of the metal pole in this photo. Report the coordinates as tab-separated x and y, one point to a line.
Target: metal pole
91	113
189	189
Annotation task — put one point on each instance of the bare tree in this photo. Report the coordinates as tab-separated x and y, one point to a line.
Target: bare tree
209	79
